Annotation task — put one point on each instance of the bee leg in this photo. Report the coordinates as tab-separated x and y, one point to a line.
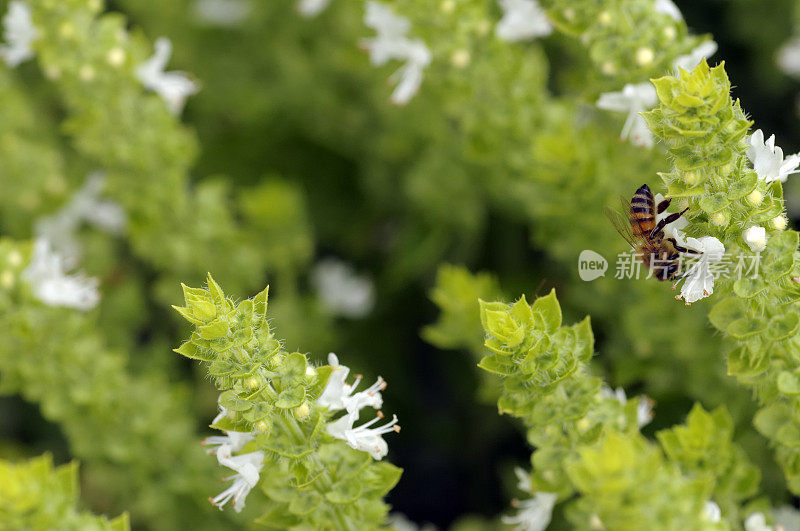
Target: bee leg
681	249
667	220
662	206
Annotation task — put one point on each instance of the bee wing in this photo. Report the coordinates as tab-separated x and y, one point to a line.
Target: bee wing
621	223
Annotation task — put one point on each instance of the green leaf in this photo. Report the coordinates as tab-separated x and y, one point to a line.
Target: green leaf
743	186
294	367
747	288
529	364
381	477
226	423
277	517
244	312
498	365
190	350
214	330
746	327
714	203
187	314
725	312
782	327
550	310
772	418
67	478
217	295
789	383
745	364
291	398
121	523
323	375
220	368
258	411
231	401
345	491
194	294
304	504
584	340
778	257
203	310
260	303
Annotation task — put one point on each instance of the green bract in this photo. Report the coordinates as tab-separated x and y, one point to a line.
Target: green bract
310	479
588	442
704	129
35	495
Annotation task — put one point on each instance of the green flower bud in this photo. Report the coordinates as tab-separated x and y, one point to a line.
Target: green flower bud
720	218
755	197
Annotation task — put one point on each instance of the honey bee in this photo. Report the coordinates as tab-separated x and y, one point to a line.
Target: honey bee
658	253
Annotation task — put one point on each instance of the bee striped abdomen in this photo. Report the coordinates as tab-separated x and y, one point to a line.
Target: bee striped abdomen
642	212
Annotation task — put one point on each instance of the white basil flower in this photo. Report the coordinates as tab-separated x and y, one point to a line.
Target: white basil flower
668	7
173	87
19	33
248	467
533	514
756	238
712	512
788	57
50	284
632	99
644	409
341	291
522	20
390	43
338	394
693	58
364	437
786	518
698	279
757	522
400	522
768	161
85	206
225	13
235	440
312	8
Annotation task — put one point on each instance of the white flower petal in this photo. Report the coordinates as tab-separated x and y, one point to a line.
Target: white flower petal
224	13
522	20
341	291
51	285
312	8
85	206
523	480
668	7
173	87
712	512
19	33
391	42
788	57
756	238
699	280
692	59
757	522
632	100
767	159
363	437
644	411
534	514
